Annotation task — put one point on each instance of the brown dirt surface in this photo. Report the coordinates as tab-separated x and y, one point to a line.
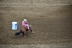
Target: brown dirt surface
51	24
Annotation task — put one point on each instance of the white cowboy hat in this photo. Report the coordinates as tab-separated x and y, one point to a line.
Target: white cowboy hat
25	20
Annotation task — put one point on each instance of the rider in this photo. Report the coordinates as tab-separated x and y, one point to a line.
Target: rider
25	27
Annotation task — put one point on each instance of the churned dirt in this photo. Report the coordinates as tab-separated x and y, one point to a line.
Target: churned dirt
51	24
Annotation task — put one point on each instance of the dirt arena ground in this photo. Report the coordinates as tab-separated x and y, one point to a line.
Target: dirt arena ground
52	24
